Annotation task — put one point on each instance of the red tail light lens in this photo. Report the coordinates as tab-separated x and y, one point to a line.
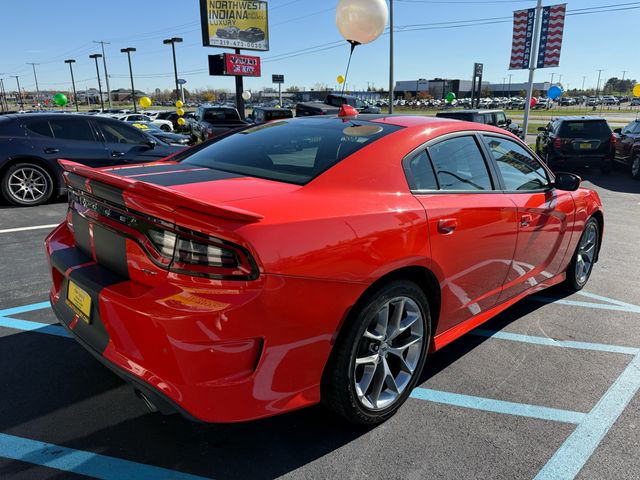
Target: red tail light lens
556	142
613	140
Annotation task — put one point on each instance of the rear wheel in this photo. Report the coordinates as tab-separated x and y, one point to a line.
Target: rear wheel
27	184
379	357
581	265
165	128
635	166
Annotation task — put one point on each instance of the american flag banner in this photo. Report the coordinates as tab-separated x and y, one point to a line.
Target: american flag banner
523	21
551	36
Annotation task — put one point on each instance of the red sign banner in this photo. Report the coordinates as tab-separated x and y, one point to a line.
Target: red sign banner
246	65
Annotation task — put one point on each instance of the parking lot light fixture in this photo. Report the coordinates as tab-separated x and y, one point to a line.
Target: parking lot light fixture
96	56
172	41
128	51
71	61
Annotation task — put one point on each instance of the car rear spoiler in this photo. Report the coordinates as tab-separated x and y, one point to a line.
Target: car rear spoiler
159	193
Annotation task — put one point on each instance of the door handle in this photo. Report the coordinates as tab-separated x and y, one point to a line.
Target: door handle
51	150
117	154
525	220
446	226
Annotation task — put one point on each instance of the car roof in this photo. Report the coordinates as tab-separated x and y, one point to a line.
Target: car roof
442	124
573	118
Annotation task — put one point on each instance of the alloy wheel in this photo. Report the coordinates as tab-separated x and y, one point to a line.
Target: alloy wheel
388	353
635	167
586	253
28	184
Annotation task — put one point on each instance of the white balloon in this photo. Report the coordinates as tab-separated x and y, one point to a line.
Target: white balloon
246	95
361	21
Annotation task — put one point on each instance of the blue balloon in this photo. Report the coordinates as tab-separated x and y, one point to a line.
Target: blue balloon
554	92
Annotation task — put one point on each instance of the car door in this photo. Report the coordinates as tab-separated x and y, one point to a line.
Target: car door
626	140
127	144
73	138
472	227
544	215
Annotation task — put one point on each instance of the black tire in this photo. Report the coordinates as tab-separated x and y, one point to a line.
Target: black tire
165	128
635	167
339	379
574	280
39	186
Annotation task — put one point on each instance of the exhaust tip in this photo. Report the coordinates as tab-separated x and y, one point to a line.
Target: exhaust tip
148	403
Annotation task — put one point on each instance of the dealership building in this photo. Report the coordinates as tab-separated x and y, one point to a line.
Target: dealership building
439	87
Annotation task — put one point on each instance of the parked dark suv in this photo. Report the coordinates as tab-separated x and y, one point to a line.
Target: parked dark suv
30	146
628	147
497	118
568	142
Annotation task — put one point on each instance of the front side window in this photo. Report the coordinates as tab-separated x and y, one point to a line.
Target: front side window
122	133
72	129
519	169
459	165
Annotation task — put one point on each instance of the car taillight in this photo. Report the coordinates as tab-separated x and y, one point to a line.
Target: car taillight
206	257
556	142
613	140
212	258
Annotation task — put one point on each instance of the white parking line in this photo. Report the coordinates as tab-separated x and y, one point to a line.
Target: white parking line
24	229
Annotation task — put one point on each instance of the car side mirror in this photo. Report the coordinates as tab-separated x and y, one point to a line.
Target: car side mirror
618	131
542	129
568	182
151	144
513	126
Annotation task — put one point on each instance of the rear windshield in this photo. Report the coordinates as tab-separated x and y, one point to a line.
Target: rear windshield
585	128
214	114
293	151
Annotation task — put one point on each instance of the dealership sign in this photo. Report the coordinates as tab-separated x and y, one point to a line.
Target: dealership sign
551	36
241	24
233	64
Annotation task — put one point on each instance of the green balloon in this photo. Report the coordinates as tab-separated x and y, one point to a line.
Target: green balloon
60	99
450	97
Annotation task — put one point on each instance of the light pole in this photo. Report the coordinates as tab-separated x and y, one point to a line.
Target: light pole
73	83
598	84
106	74
504	83
133	90
560	79
624	72
96	56
552	75
172	41
19	92
510	75
3	98
36	78
584	77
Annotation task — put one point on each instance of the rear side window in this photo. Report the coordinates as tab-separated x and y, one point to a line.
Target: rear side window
467	117
215	114
587	128
72	129
40	127
420	173
294	151
459	165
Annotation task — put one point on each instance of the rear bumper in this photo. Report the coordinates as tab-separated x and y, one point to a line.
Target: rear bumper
562	160
212	350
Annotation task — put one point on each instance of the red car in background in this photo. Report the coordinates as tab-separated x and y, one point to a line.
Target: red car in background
310	260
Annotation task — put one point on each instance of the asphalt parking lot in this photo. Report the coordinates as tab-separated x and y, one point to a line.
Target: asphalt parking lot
548	389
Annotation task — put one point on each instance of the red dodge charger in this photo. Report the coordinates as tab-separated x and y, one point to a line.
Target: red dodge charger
309	260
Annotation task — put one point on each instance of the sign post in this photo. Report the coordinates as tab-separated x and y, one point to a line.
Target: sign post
237	25
279	79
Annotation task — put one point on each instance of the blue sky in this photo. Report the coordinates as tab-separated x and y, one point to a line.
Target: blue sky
49	32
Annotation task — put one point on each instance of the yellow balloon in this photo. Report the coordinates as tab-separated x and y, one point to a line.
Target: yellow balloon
179	104
340	79
181	121
145	102
180	112
636	90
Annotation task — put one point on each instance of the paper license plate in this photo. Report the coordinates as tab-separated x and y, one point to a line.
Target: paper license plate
79	299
